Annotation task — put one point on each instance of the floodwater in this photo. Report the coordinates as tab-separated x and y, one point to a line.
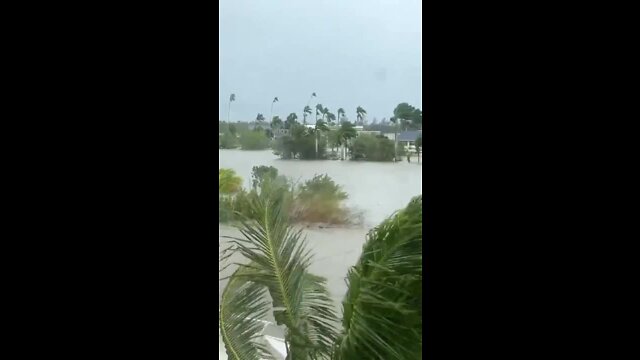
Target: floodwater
376	190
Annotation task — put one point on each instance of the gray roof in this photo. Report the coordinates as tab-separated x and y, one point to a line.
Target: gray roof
409	135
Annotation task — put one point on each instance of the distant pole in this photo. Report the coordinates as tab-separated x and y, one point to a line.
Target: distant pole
395	148
271	113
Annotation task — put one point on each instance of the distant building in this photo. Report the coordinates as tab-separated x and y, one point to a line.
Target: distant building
409	137
280	132
369	132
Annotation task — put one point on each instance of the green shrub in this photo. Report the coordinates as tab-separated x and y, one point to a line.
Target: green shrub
228	141
372	148
320	200
301	144
316	200
254	140
228	181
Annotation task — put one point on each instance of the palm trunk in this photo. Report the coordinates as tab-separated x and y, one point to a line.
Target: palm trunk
229	113
271	113
316	145
395	146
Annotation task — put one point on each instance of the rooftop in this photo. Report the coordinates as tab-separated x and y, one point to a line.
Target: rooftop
409	135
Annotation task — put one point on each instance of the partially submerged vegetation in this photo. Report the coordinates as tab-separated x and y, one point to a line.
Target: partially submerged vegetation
318	200
330	137
382	310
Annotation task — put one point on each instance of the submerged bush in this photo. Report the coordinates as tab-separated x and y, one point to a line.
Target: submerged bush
301	144
320	200
254	140
228	141
372	148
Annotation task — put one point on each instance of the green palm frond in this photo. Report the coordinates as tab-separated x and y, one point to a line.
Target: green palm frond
383	306
243	302
279	262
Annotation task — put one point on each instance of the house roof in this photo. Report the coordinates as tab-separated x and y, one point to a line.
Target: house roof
409	135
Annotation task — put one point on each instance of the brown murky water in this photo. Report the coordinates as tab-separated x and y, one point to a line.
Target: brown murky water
375	189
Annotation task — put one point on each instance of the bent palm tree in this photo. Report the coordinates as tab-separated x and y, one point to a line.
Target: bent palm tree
360	114
307	111
346	132
382	308
278	263
291	119
319	110
320	126
232	98
340	114
275	99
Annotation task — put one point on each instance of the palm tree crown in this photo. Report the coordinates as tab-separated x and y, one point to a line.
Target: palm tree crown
360	113
307	111
340	114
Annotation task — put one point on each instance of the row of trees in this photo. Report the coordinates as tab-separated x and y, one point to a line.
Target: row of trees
405	115
324	113
303	142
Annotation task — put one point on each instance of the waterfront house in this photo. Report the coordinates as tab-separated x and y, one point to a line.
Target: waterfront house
408	138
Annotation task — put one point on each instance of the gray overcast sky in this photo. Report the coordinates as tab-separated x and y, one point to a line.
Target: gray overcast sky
350	52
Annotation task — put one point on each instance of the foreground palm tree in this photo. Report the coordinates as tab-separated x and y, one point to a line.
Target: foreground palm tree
382	308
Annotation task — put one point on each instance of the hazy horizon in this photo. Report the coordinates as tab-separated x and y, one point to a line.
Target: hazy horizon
350	53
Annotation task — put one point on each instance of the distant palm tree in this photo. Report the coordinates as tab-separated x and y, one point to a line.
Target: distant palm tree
360	113
311	97
291	119
319	127
231	98
330	117
319	110
307	111
259	120
275	99
340	114
345	133
276	123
